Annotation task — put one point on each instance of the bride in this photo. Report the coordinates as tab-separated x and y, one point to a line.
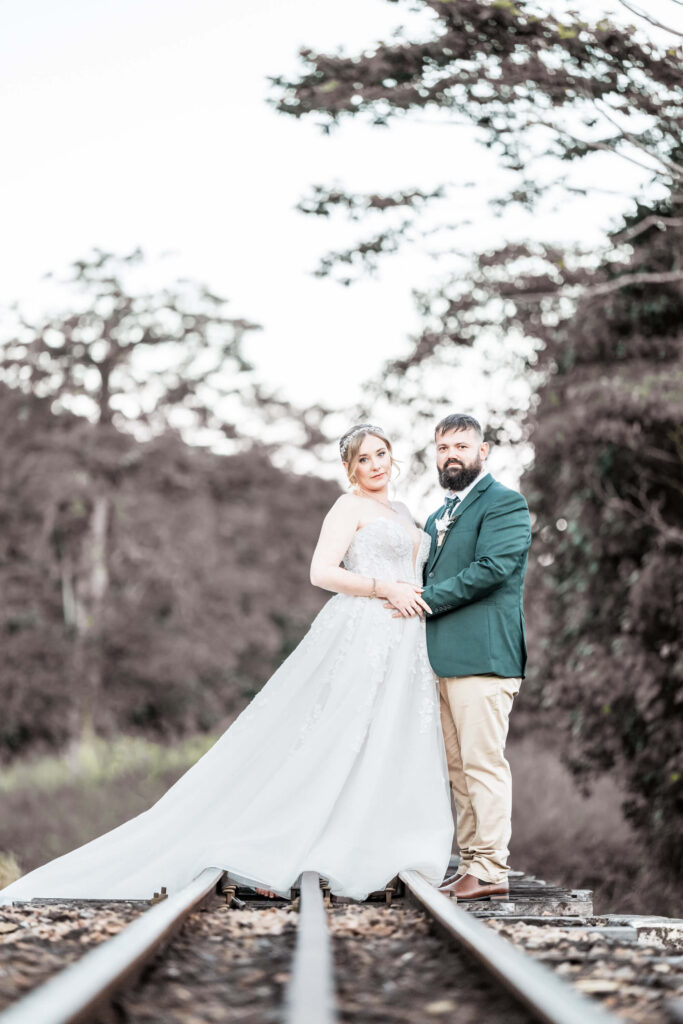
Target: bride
336	766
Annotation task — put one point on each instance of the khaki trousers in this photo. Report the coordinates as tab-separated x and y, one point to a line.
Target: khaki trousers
474	714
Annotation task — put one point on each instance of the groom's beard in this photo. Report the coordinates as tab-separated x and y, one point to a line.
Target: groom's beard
456	477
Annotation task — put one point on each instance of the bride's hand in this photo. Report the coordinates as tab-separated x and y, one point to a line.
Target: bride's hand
405	598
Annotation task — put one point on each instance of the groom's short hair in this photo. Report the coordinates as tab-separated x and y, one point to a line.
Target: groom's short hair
458	421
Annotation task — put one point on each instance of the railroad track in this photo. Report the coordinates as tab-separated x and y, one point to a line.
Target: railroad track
307	989
547	997
77	992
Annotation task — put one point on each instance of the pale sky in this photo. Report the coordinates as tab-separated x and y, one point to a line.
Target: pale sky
144	122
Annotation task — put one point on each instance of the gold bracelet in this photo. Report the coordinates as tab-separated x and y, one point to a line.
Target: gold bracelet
374	587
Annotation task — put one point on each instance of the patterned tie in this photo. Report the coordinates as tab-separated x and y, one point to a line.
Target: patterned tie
450	505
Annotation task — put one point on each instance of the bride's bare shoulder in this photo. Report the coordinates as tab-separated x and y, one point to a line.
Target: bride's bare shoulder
347	506
348	501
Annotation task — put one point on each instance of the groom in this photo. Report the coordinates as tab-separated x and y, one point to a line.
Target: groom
474	579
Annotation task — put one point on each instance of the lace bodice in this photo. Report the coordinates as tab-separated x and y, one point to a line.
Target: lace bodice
384	549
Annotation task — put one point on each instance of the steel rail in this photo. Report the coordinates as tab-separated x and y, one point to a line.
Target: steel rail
72	995
310	995
547	997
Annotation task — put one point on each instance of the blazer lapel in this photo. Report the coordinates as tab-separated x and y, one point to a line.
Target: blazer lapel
431	530
470	499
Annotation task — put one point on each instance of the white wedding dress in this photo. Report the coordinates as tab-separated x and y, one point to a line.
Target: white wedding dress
337	766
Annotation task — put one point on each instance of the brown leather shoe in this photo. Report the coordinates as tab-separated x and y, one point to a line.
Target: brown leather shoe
447	882
468	887
449	879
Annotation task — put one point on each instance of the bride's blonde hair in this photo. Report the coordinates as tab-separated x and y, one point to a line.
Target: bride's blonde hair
350	444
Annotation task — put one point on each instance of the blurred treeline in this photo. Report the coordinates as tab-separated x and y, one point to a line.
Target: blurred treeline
146	585
595	329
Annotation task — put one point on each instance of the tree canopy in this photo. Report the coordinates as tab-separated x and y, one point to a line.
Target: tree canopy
549	95
132	356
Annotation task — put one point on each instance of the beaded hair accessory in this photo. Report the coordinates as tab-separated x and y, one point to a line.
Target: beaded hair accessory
364	428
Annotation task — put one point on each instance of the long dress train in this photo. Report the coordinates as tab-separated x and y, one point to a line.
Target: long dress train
337	766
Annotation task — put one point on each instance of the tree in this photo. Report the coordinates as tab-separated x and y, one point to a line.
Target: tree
134	358
548	94
35	690
127	361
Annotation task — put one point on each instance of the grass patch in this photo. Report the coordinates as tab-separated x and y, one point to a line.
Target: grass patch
9	869
50	805
97	761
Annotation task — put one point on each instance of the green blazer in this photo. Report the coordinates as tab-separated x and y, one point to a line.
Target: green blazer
474	585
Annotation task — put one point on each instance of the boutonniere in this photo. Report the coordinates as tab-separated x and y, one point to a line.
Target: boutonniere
442	527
